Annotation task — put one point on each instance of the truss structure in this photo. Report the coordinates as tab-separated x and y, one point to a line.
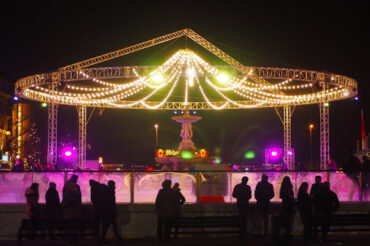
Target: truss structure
82	124
52	129
324	134
286	120
288	152
115	87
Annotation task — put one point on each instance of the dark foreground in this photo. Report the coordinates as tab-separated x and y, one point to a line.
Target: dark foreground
337	239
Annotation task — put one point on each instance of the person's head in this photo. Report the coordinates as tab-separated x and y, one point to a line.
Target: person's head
74	178
92	182
52	185
112	184
303	188
326	185
318	179
166	184
245	180
286	181
364	158
34	186
265	178
176	185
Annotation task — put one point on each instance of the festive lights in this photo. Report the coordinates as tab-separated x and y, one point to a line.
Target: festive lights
233	88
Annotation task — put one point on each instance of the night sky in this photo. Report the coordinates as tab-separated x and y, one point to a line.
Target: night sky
40	37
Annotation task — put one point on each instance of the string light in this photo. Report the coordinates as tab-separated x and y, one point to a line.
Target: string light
254	90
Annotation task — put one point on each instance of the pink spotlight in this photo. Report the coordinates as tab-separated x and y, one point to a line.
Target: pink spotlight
290	153
274	153
68	153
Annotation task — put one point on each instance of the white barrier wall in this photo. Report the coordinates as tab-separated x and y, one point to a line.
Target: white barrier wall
146	184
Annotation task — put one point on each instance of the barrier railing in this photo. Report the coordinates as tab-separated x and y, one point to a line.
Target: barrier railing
142	187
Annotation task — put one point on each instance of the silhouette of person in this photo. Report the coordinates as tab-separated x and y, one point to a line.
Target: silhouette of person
32	200
52	201
242	192
304	203
109	211
71	202
352	168
264	193
287	204
365	178
180	200
165	204
328	204
96	194
315	193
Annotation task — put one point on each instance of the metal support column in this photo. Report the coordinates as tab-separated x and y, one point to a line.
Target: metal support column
286	120
324	135
288	154
52	153
81	136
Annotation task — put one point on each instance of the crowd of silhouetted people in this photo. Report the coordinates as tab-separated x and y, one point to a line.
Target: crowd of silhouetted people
102	197
315	207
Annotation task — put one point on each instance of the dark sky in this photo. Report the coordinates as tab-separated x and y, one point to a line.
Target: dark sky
40	37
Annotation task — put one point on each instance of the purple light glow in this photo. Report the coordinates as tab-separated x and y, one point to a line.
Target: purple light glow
290	153
68	152
273	153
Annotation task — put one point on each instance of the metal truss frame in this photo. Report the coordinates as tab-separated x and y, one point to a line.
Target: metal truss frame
52	151
71	73
123	72
82	124
324	133
286	120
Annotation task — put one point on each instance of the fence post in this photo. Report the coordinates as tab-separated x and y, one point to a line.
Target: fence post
65	177
198	186
132	187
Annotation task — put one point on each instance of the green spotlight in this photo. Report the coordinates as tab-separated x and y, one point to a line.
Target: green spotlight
186	154
44	104
222	78
250	155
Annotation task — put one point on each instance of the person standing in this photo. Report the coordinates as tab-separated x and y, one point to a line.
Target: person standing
305	210
52	201
328	204
352	168
180	200
165	204
264	193
287	204
109	211
71	202
97	200
32	200
315	193
242	193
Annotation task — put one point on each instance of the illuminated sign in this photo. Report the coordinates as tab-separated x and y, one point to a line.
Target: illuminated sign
170	152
